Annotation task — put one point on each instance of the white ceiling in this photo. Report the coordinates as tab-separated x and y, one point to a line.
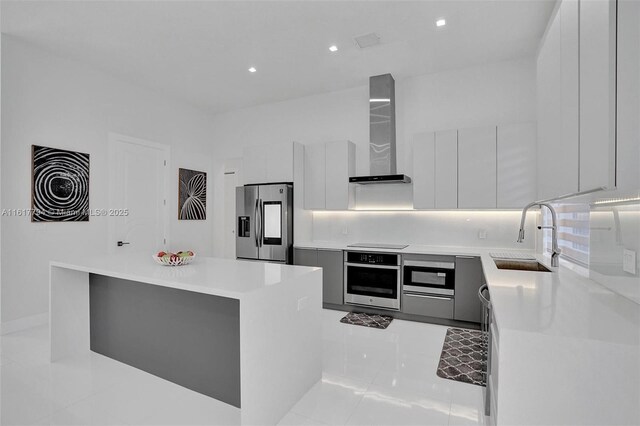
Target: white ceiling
199	51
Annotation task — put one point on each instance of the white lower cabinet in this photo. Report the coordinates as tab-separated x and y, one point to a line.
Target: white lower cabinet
477	168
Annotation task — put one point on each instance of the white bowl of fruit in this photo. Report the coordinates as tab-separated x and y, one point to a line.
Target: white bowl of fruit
174	259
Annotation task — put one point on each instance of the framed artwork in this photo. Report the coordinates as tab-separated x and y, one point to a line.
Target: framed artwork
60	185
192	195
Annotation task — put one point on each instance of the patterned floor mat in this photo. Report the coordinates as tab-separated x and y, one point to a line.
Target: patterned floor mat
464	355
367	320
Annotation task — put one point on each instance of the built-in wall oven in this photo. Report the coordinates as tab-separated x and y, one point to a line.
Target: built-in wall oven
372	279
429	278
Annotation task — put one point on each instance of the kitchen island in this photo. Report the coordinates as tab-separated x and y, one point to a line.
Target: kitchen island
245	333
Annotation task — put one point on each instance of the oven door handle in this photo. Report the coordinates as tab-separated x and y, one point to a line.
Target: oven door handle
366	265
431	265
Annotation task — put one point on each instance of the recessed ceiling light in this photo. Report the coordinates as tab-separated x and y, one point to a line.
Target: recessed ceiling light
441	22
252	69
333	48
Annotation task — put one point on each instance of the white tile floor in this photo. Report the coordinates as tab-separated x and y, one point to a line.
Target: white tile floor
371	377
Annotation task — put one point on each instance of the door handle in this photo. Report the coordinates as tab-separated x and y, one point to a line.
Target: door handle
255	227
122	243
261	227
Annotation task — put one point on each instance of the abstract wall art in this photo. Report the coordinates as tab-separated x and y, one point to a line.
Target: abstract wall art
192	195
60	185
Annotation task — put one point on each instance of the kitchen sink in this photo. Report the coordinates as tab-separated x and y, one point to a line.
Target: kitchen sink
521	265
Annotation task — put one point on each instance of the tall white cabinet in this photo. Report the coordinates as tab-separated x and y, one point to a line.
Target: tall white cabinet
576	79
628	97
269	163
477	168
558	109
435	170
517	171
597	94
327	168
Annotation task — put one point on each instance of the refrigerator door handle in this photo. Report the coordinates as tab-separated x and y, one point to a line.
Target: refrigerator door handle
255	227
261	228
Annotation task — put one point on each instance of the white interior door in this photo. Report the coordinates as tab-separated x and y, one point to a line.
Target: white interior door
230	183
138	190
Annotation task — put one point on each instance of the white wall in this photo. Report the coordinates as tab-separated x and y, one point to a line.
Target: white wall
441	228
483	95
51	101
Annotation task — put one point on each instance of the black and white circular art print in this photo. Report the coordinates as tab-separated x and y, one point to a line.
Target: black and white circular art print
192	195
60	185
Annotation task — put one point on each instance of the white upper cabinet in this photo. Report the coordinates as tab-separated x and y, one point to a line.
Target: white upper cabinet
339	166
314	176
446	169
424	178
516	165
628	133
327	168
477	175
558	99
597	93
268	163
435	170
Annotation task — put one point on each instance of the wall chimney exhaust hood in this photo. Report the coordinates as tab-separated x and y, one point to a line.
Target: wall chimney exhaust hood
382	133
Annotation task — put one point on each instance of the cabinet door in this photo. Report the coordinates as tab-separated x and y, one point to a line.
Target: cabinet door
340	164
558	99
628	134
305	257
516	165
254	164
314	176
424	178
597	93
469	279
446	169
477	168
280	162
331	262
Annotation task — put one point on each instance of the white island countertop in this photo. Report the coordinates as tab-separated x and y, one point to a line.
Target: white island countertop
219	277
569	348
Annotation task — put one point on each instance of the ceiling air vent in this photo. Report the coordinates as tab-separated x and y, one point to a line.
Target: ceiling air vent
367	40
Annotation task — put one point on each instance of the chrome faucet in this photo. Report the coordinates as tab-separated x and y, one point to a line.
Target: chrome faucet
555	250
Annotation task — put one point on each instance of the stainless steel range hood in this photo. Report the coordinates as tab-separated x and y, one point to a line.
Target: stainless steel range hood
382	133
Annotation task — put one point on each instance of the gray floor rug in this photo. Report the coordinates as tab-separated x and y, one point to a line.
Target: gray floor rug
463	356
367	320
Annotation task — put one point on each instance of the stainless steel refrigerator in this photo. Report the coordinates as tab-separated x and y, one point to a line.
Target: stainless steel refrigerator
264	222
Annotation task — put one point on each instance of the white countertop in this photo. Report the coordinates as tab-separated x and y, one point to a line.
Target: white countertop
561	302
218	277
569	348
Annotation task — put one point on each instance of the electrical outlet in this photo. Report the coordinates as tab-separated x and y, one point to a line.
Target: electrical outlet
629	261
482	234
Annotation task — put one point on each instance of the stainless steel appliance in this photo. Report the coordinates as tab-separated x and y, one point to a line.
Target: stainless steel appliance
429	278
372	279
485	299
264	222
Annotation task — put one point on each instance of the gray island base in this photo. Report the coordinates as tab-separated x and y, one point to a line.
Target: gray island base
232	330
